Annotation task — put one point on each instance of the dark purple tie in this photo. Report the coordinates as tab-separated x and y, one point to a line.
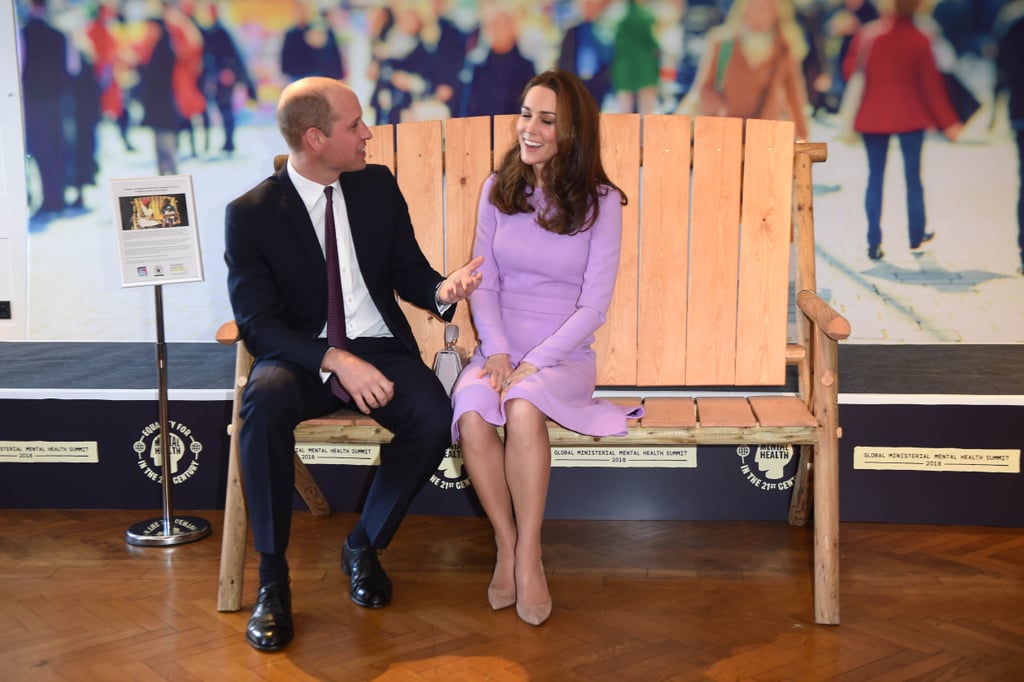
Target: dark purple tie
335	302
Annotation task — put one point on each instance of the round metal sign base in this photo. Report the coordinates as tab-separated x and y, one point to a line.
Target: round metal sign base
183	529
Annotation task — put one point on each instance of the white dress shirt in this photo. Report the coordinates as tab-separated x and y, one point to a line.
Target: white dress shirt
362	318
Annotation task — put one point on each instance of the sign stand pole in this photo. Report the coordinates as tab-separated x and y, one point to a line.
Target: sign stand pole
169	530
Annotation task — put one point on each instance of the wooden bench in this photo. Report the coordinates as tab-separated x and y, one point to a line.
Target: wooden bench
717	252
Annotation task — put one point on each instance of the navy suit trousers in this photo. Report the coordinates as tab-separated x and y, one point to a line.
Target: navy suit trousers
279	395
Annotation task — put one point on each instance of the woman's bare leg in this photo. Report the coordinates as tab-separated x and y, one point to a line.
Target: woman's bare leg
483	453
528	470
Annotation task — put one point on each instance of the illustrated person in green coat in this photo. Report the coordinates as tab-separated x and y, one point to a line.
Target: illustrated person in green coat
635	66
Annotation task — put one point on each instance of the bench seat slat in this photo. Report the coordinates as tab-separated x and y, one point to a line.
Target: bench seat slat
357	428
672	412
627	404
672	419
326	430
695	435
783	410
715	412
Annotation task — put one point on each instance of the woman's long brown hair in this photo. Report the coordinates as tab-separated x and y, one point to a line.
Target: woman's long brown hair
574	180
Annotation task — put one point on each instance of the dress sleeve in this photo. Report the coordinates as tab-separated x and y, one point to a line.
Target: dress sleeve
484	301
596	292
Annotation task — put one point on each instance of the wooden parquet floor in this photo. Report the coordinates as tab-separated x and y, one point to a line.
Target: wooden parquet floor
633	601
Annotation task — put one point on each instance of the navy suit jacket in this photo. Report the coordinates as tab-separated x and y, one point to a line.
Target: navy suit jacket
277	276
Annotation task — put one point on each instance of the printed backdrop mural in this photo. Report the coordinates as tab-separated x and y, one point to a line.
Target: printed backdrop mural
138	88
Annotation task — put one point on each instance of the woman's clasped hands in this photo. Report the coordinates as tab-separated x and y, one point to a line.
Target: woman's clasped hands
502	374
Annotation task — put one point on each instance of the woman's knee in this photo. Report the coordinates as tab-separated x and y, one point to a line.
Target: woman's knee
521	413
471	421
475	430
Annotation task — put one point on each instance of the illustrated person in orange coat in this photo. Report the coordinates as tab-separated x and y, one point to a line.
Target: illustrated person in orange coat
753	66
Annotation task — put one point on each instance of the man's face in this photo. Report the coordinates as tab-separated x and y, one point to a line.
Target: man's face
345	146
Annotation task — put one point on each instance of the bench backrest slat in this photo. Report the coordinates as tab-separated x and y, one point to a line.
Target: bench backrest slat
702	293
714	243
504	136
764	253
664	257
467	164
616	341
420	162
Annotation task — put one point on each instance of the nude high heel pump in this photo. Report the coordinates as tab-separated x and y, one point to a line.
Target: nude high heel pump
500	598
534	614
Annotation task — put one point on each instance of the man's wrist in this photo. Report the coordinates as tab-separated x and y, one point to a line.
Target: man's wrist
323	360
438	303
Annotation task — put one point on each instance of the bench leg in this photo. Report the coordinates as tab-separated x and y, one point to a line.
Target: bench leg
826	490
826	535
309	490
800	502
236	527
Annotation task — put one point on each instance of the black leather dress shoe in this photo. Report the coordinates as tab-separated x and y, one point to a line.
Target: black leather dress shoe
270	626
371	586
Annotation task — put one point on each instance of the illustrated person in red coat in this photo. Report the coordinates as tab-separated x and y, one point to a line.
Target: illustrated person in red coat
904	95
110	65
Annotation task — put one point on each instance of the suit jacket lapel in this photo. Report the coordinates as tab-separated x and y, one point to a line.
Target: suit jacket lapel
356	206
299	222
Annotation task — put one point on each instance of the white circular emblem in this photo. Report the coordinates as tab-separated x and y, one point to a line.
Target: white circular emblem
451	474
148	450
767	471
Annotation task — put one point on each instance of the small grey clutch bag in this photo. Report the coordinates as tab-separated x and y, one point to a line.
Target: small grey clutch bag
448	362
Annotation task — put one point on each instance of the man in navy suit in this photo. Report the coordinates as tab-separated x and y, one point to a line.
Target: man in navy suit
277	281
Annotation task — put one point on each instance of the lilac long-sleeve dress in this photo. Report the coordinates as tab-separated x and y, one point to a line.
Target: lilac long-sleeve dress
542	297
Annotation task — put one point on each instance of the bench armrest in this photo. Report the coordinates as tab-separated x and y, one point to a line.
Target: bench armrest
227	333
824	316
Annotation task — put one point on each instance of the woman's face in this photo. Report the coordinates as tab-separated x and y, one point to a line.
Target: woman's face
408	21
538	136
761	15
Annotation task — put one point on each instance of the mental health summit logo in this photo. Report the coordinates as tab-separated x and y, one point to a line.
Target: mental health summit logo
769	468
451	473
184	459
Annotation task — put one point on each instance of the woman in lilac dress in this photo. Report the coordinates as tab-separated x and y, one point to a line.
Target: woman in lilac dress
549	229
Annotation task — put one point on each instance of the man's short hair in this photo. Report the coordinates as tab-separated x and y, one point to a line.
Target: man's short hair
303	110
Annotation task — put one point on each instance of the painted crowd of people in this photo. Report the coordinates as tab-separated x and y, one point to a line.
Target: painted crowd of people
174	66
165	70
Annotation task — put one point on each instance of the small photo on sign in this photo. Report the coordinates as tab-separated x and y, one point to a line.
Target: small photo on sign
148	212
